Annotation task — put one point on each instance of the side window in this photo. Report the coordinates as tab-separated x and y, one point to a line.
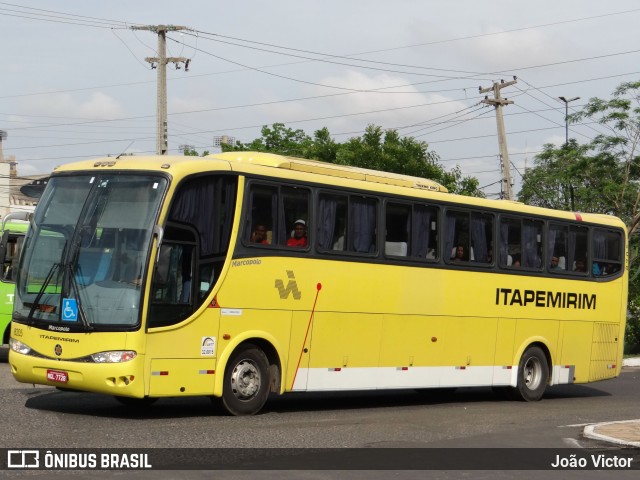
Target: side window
607	252
11	252
398	230
521	243
469	237
567	248
295	203
277	215
262	215
174	273
347	223
411	230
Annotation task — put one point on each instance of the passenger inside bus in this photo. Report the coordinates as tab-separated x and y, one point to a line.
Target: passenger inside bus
259	235
460	254
299	237
580	265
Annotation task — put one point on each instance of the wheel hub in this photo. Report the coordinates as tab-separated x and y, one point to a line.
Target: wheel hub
245	380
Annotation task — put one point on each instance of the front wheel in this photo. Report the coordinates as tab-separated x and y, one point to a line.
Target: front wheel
246	381
533	375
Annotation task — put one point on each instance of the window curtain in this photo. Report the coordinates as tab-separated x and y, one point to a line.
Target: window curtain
188	209
600	245
571	257
551	243
530	254
280	231
479	238
326	221
451	232
363	225
207	204
226	211
504	242
421	232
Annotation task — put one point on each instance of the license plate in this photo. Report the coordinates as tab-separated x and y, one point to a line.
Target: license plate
57	376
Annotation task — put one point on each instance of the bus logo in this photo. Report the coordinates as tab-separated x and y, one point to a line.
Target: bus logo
292	287
23	459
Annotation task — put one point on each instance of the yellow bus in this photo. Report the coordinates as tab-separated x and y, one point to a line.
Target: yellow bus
242	274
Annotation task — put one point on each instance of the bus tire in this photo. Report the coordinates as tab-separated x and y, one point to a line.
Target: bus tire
533	375
246	381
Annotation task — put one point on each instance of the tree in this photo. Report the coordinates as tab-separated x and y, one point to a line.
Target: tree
568	178
277	139
377	149
602	176
193	153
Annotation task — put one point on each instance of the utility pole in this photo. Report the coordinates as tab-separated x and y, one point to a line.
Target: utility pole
160	63
497	101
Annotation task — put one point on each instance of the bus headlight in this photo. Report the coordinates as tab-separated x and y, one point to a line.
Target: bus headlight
19	347
114	356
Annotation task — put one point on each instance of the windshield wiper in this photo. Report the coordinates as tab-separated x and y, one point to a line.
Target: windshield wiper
68	269
45	284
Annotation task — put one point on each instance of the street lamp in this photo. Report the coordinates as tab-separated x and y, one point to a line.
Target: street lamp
566	116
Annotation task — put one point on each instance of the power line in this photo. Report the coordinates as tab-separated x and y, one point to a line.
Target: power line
455	39
59	17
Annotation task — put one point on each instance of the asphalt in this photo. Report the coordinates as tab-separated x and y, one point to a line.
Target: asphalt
624	433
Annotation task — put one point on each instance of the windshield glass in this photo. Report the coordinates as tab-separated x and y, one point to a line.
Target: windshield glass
84	260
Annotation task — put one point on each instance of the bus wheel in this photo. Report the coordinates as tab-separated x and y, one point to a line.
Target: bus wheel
246	381
533	374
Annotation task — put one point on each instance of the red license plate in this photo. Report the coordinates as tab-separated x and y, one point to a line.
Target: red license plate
57	376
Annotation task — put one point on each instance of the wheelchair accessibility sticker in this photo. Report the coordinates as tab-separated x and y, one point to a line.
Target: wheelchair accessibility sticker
69	310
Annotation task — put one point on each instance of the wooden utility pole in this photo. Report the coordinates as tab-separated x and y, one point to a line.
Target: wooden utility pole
497	101
160	63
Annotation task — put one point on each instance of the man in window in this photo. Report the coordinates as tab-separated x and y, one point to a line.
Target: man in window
299	238
259	235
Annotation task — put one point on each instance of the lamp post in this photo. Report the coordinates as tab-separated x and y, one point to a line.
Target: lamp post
566	116
566	142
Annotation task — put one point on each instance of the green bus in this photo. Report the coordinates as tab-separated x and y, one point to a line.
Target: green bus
13	232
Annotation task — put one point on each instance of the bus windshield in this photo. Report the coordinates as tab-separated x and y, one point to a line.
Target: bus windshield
88	250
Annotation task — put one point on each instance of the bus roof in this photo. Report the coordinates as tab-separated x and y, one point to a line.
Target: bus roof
330	169
247	161
264	160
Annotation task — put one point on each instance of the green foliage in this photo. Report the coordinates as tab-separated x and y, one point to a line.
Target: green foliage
193	153
632	333
376	149
277	139
602	176
569	178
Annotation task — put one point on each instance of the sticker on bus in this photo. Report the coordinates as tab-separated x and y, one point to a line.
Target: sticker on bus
69	310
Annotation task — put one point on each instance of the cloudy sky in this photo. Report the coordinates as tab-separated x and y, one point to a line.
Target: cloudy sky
75	83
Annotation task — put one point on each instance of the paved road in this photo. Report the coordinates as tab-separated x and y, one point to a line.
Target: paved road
43	417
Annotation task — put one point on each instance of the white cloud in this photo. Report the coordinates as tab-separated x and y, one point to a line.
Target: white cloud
97	105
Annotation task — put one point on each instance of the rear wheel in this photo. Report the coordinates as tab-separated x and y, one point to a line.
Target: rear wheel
246	381
533	375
